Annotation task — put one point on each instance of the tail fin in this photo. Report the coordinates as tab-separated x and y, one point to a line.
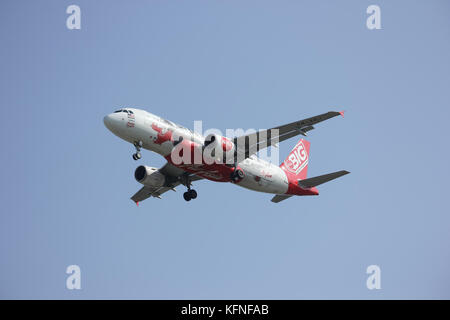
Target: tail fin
296	164
296	167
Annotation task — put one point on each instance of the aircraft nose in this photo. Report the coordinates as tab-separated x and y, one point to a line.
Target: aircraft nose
107	120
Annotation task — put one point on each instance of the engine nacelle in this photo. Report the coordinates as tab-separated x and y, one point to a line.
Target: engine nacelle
149	176
218	141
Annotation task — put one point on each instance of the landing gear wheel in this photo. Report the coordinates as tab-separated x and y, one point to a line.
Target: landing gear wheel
187	196
137	156
192	193
138	146
239	174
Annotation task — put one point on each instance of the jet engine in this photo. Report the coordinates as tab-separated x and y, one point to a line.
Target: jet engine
149	176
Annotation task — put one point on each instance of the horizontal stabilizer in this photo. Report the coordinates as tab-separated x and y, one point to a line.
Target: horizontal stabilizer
280	197
315	181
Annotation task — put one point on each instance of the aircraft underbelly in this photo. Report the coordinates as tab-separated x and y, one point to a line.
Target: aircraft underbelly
263	178
258	175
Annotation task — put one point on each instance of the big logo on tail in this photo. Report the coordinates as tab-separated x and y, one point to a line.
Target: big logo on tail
297	159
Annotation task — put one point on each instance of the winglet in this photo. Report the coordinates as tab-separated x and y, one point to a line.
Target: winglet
342	113
137	203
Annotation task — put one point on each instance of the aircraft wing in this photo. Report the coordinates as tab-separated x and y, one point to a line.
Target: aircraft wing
250	144
174	176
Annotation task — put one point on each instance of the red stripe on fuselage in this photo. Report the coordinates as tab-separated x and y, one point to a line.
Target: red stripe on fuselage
218	172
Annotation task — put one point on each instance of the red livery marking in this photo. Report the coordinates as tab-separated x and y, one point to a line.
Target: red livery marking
297	159
266	174
161	138
227	145
296	166
217	171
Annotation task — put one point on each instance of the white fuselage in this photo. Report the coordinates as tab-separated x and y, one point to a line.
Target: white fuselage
155	133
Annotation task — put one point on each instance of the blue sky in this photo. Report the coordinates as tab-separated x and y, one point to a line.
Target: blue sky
232	64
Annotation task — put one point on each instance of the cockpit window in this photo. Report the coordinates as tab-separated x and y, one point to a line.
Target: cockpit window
123	110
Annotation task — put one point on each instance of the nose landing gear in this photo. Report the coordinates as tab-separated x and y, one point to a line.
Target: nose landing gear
138	146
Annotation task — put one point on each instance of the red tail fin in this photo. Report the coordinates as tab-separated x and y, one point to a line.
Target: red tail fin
296	164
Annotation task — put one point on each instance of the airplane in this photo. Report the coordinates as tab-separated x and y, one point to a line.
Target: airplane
227	160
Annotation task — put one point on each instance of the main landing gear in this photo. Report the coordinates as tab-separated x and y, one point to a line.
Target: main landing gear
138	146
190	193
